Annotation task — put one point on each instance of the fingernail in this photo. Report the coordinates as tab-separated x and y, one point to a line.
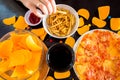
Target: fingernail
39	13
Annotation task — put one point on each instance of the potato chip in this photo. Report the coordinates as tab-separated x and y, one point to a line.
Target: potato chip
81	22
10	20
20	57
84	13
19	72
115	24
20	23
61	75
83	29
103	12
31	44
40	32
98	22
4	65
36	59
50	78
70	41
6	48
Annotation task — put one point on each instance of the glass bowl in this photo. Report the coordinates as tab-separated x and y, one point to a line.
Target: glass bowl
25	58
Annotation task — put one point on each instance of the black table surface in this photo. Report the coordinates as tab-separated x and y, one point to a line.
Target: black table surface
10	8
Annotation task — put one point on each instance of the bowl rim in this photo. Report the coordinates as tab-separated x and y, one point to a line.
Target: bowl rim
72	11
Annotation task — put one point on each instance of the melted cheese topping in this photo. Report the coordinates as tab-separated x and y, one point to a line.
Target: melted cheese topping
98	56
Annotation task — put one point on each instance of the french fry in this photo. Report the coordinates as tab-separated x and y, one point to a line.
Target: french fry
61	12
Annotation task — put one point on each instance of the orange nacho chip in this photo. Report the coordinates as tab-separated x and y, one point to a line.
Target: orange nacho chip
70	41
20	23
18	41
40	32
103	12
83	29
20	57
6	48
10	20
61	75
98	22
50	78
36	59
31	44
20	72
84	13
115	24
81	22
4	65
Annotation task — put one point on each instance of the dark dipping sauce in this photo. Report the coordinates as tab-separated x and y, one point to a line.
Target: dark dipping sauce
60	57
33	18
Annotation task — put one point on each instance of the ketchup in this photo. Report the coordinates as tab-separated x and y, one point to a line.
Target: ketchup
33	18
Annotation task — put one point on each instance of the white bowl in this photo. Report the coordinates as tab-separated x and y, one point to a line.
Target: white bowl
72	11
27	15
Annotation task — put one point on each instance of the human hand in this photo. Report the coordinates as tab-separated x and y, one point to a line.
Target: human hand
46	6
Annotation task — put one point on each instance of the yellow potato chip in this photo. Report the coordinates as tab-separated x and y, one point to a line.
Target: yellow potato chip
20	57
83	29
61	75
6	48
50	78
103	12
81	22
70	41
84	13
20	23
10	20
115	24
98	22
40	32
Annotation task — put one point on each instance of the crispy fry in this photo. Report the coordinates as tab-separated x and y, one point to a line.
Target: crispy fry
61	12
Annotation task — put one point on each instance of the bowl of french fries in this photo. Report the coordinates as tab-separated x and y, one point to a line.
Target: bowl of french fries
63	23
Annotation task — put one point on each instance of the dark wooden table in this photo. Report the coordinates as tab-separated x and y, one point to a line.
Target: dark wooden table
10	8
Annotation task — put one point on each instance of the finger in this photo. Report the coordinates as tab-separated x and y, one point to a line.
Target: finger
30	6
53	5
33	9
36	12
40	14
41	6
48	5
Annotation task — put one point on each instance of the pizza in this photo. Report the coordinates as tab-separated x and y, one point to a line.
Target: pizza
98	55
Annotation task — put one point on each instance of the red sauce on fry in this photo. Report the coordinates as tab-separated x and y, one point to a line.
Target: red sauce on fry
33	18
